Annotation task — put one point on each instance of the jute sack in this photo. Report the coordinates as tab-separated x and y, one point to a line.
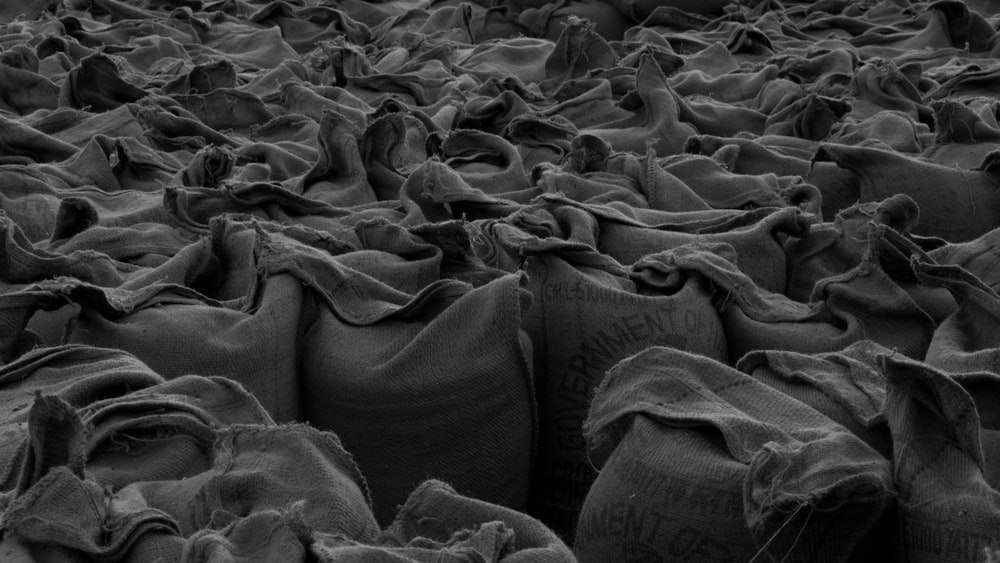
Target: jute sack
722	188
424	385
38	203
971	194
966	341
759	246
656	122
838	187
164	432
56	514
194	208
103	256
21	262
438	524
628	234
896	314
944	430
264	535
83	376
435	192
588	312
140	427
980	257
846	386
877	229
255	468
249	470
835	246
860	304
700	462
232	315
146	245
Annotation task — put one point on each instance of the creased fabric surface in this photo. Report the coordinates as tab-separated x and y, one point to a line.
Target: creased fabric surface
469	280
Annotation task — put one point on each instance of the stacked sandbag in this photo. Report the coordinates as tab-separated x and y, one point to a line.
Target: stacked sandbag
703	463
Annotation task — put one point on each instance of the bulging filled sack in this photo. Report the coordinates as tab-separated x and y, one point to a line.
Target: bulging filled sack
439	524
877	231
425	385
700	462
968	339
946	439
862	303
588	312
250	471
233	316
846	386
140	426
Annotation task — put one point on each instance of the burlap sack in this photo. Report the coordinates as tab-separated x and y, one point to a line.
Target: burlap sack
834	247
721	188
163	432
847	386
250	471
255	468
339	176
860	304
266	535
863	232
595	187
57	514
943	451
963	137
980	257
390	148
234	317
436	192
656	123
44	206
96	83
838	187
966	341
194	208
21	262
588	313
140	427
146	245
376	360
628	234
27	90
700	462
437	523
78	375
892	128
971	194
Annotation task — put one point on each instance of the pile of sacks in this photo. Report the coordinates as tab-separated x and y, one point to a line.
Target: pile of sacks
499	281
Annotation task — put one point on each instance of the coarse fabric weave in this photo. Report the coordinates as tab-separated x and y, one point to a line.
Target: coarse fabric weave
702	462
